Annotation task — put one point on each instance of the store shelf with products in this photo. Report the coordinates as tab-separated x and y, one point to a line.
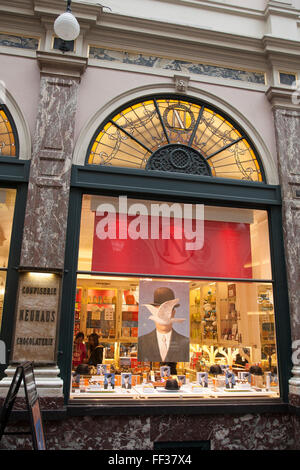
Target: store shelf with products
267	324
153	385
101	315
204	316
77	315
214	308
129	316
101	308
229	317
209	313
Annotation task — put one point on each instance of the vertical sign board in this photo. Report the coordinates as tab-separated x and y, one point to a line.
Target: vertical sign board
36	318
33	404
24	373
10	399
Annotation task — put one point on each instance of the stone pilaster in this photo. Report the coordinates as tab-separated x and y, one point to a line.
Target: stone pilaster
287	128
48	192
44	236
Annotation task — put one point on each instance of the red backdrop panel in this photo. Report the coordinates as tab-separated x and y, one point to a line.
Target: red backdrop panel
226	252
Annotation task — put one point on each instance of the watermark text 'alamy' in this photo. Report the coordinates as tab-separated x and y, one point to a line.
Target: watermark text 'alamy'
151	221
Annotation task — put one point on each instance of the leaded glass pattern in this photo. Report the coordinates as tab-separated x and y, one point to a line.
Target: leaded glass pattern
7	136
130	137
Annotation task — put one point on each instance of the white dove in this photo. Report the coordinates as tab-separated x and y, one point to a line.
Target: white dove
163	313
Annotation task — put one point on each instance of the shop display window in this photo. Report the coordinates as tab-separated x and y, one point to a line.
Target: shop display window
171	322
7	206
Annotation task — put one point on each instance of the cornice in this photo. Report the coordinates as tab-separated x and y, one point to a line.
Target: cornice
171	31
128	33
275	8
84	12
148	36
287	12
284	98
272	43
18	7
169	48
218	7
59	65
282	52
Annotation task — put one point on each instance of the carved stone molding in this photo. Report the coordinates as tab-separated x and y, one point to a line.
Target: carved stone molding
47	379
181	82
60	65
285	98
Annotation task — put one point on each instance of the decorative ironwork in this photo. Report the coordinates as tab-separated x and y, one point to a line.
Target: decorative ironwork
179	117
139	133
180	159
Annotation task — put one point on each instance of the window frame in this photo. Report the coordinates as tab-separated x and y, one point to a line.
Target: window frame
141	184
14	174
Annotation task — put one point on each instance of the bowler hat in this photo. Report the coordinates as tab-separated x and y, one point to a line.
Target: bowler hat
172	384
256	370
162	309
82	369
215	369
162	294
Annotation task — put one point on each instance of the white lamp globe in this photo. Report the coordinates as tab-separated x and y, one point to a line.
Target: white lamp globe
66	26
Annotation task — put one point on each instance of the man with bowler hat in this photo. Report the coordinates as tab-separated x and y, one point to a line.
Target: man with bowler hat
164	344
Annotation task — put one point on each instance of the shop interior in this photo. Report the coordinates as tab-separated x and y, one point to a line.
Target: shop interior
231	323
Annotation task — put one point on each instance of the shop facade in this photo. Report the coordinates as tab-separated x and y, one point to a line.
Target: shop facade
136	178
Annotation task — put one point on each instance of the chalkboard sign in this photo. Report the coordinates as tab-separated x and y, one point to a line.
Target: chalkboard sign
24	373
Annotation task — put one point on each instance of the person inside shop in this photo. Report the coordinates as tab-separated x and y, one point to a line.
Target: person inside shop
95	350
79	351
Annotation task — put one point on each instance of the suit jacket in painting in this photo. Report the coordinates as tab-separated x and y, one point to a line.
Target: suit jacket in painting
179	349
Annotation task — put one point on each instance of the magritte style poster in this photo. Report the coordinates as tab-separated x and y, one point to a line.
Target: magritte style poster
163	333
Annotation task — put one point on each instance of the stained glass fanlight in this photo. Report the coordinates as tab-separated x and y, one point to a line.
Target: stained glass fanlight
175	134
8	147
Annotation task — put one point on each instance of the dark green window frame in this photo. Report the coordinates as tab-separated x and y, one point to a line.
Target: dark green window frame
14	174
142	184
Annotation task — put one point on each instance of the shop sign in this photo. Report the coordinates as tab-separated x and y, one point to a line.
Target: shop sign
36	318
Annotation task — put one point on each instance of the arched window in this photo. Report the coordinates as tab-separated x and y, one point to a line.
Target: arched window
8	134
168	133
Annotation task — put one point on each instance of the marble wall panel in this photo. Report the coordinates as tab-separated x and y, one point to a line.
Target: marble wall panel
287	125
287	129
48	195
46	403
225	432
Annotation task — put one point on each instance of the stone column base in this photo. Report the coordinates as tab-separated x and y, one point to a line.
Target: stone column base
47	381
294	382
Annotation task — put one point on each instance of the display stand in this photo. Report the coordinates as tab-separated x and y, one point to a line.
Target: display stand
24	372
